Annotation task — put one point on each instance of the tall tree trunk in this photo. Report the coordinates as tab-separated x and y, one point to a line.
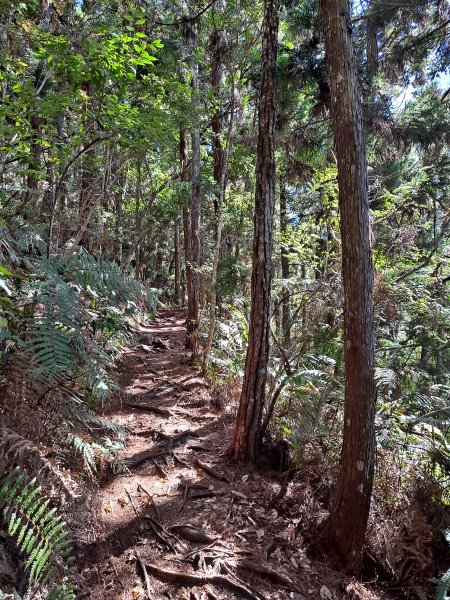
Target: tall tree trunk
137	222
372	43
89	184
350	509
192	210
285	270
36	123
219	49
218	241
119	202
177	262
246	441
184	176
195	209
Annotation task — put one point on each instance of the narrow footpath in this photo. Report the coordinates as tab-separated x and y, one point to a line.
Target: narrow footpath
182	520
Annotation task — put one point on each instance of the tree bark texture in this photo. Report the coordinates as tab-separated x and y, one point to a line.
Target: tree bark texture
285	270
221	156
194	300
184	176
192	212
350	509
247	433
177	262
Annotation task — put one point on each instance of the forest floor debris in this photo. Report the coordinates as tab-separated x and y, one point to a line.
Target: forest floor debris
192	523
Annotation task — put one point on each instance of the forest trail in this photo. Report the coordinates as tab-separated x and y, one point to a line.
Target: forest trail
241	525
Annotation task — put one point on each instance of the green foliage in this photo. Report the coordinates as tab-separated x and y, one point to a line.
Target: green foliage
39	533
66	293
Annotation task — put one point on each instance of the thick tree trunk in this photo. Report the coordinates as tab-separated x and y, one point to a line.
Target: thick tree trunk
187	235
285	270
193	321
177	262
247	433
192	210
350	509
219	50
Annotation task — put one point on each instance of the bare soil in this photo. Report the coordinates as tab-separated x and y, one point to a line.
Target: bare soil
204	526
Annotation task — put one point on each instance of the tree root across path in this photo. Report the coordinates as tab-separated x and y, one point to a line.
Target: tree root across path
160	450
198	580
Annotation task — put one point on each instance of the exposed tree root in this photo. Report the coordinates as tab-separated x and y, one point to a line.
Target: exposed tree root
148	586
164	412
152	502
200	580
161	451
268	572
210	471
191	533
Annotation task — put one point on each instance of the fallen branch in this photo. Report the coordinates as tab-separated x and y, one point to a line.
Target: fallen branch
194	580
210	471
180	461
143	457
159	469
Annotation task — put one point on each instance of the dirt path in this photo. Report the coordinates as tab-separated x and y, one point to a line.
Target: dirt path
178	474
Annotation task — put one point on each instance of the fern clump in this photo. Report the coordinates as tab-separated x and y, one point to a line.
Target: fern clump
38	532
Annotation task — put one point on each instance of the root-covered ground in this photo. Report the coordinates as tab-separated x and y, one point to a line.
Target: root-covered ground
183	521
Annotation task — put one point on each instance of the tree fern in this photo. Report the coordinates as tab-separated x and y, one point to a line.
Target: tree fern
39	533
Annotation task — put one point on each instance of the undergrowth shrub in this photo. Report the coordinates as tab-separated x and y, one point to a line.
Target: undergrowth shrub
63	322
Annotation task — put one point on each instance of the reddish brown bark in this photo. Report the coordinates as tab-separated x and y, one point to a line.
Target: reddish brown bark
285	270
177	262
247	433
350	509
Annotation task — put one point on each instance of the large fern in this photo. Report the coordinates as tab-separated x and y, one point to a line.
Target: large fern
38	531
66	294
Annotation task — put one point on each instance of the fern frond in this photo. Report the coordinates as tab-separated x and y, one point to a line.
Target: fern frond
385	377
85	449
81	412
38	531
